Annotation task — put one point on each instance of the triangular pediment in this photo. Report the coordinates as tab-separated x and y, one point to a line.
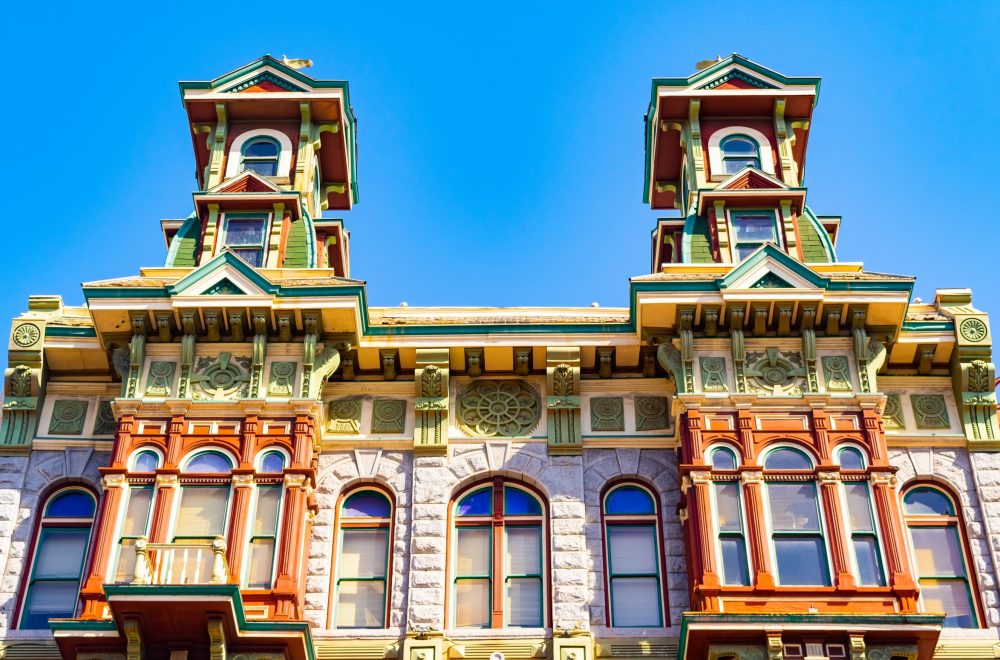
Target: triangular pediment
264	81
770	268
751	178
224	275
246	181
736	78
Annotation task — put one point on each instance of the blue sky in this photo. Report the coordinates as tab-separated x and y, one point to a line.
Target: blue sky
500	144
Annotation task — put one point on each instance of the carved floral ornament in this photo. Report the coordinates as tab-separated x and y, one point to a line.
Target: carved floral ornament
973	330
775	372
26	334
508	408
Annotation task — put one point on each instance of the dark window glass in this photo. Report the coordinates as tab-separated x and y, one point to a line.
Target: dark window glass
738	152
723	459
801	561
629	500
272	462
516	502
478	503
261	147
786	458
367	504
71	504
928	502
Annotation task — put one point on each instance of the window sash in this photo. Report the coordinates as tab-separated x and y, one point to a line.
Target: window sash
950	524
33	616
210	534
263	543
124	565
633	577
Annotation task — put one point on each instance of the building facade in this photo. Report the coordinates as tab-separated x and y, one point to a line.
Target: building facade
769	454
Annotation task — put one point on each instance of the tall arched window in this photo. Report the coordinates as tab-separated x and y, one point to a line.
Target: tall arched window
942	555
498	559
797	535
633	557
202	513
732	540
862	522
261	155
361	576
57	558
738	151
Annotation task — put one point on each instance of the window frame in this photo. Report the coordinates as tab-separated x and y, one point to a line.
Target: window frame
875	533
497	522
276	158
112	569
265	217
954	521
645	521
342	522
251	536
724	159
735	244
42	523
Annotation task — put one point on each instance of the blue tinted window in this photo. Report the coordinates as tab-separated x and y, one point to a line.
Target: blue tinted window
801	561
146	461
367	504
209	462
629	500
928	502
723	459
516	502
477	503
272	462
851	459
786	458
261	147
71	504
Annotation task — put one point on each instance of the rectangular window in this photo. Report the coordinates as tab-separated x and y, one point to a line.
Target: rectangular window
361	579
634	576
864	538
246	236
473	577
263	537
751	229
796	532
55	578
201	518
523	559
136	524
732	539
944	583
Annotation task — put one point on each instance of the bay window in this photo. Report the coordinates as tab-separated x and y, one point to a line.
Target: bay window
201	517
633	552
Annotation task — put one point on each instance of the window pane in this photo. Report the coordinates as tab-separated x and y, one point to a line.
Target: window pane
516	502
363	553
71	504
49	600
938	550
253	256
753	227
61	553
266	520
801	561
479	503
851	459
950	597
928	502
146	461
632	550
629	500
745	250
472	603
367	504
786	458
635	602
723	459
793	507
727	499
261	563
739	145
209	463
360	604
866	552
524	602
524	551
245	231
126	561
137	513
859	506
272	462
734	560
202	511
261	148
262	167
733	164
473	557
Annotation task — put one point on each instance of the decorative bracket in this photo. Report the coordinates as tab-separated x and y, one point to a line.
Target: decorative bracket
189	327
562	375
430	428
258	319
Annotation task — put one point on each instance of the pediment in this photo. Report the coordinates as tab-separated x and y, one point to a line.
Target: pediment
737	78
770	268
267	79
225	275
246	181
751	178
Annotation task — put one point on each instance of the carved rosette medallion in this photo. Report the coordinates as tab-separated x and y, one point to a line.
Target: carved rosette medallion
973	330
507	408
713	374
892	418
67	417
344	416
26	334
930	411
106	424
607	413
223	377
774	372
388	416
282	379
836	371
652	413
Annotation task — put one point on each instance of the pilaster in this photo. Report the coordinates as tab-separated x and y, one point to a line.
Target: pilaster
562	375
430	428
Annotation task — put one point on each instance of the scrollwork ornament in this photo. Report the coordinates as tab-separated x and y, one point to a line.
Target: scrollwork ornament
20	381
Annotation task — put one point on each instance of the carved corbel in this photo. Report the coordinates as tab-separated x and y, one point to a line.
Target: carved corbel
605	357
284	321
562	375
189	326
348	359
390	362
522	361
311	323
736	314
430	428
213	321
710	315
474	362
165	325
925	358
670	359
685	326
784	313
133	639
235	319
808	323
877	355
326	363
137	352
833	321
258	319
758	314
979	403
647	359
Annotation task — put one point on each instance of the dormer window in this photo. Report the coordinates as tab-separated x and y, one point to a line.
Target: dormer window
245	235
738	151
261	155
751	229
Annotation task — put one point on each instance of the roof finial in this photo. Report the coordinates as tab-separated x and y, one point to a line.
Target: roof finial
704	64
296	63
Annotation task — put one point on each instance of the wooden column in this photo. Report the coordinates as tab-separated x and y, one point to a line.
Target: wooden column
163	505
694	422
697	485
242	498
836	530
92	593
757	535
891	519
286	586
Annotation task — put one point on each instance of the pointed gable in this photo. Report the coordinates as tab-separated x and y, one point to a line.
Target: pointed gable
751	178
246	181
770	268
224	275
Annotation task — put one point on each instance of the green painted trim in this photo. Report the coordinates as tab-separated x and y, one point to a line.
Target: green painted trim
769	251
823	236
909	326
82	625
181	237
62	331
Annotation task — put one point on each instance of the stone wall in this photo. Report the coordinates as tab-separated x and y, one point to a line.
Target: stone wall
23	480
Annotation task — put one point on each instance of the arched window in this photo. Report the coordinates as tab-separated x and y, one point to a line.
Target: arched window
57	558
723	458
797	535
633	551
272	462
146	461
362	585
209	462
201	515
851	458
260	154
135	524
738	151
499	558
941	552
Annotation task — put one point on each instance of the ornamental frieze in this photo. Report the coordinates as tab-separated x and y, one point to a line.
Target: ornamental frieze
776	373
222	377
507	408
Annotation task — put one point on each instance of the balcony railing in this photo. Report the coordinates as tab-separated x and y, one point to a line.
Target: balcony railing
180	563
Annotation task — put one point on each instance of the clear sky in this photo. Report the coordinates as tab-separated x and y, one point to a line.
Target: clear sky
500	144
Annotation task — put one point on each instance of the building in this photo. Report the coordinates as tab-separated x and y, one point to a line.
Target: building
771	453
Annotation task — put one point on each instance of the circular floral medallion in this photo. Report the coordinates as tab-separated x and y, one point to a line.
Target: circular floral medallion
26	334
161	369
973	329
283	369
345	409
506	408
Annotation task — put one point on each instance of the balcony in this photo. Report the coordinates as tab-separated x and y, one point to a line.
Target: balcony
183	563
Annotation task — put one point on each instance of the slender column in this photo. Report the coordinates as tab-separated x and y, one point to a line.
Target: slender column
242	497
760	557
92	593
696	486
497	558
302	441
744	423
163	506
891	520
286	586
836	530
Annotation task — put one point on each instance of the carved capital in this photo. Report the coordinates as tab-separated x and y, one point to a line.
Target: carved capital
166	481
883	479
828	477
752	477
113	481
295	480
242	480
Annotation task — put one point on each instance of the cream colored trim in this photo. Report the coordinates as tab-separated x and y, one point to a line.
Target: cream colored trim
715	153
234	157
